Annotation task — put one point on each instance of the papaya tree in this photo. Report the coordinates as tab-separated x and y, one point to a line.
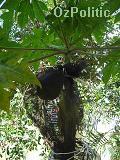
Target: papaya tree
47	46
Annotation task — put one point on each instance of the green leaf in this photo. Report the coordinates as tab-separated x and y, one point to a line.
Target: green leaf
7	21
115	56
10	5
4	40
111	69
19	73
31	11
117	18
11	69
4	100
116	69
43	6
113	5
38	11
99	33
10	57
116	42
107	73
23	13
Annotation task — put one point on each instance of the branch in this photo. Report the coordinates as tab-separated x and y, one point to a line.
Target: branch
96	48
31	49
44	57
58	51
61	50
61	28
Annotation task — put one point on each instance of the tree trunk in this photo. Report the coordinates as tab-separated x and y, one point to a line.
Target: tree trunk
68	120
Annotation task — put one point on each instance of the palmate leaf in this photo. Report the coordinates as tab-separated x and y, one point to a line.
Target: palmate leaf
7	16
18	73
12	71
24	11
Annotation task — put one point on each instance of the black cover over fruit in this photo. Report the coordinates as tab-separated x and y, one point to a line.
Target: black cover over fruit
52	83
52	79
74	69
